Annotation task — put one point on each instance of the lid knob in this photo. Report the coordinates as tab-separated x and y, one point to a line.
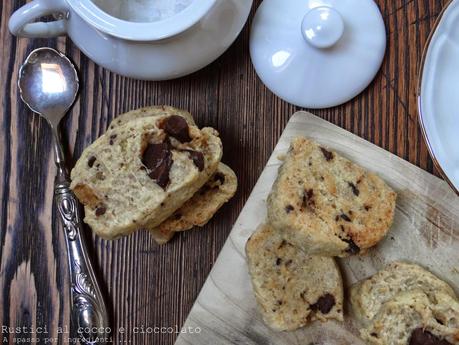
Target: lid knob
322	27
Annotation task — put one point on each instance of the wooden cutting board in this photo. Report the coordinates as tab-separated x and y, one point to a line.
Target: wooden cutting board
425	231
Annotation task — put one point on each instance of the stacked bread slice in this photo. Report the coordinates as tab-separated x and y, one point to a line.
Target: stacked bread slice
143	172
404	304
321	205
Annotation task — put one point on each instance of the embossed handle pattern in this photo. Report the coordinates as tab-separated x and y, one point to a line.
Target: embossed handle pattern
89	315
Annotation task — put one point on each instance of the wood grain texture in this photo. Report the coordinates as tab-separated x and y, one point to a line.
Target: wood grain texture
425	231
147	285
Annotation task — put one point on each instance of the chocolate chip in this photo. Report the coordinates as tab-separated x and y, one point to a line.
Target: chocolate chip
355	190
367	208
423	337
324	304
327	154
100	210
158	160
219	177
279	302
177	127
91	161
112	139
288	262
353	248
289	208
345	217
278	261
197	158
308	199
283	243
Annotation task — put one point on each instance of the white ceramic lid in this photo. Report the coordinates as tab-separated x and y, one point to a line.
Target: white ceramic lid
438	98
317	53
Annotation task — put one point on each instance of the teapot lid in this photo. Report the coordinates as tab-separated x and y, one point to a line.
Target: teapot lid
317	53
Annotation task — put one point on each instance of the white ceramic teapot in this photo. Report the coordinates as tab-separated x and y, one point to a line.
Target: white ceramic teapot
167	48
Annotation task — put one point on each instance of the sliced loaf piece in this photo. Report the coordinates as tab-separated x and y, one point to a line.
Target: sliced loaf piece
328	205
198	210
414	318
140	173
369	295
291	287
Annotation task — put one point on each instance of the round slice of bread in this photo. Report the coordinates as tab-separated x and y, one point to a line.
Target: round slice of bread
140	173
413	318
369	295
328	205
198	210
291	287
157	110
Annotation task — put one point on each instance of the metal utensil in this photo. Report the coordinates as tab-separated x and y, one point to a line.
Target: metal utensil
48	84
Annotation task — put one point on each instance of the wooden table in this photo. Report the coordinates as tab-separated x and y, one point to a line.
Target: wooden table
147	285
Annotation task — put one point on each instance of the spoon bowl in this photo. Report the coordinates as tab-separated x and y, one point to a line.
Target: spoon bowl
48	84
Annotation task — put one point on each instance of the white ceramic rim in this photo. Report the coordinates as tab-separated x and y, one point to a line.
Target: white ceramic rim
138	31
419	96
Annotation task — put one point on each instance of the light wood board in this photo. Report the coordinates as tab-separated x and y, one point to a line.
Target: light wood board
425	231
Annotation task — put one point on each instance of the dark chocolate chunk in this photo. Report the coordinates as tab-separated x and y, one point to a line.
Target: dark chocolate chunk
100	210
327	154
112	139
308	199
283	243
288	262
289	208
158	160
423	337
91	161
355	190
324	304
345	217
353	248
197	158
278	261
177	127
219	177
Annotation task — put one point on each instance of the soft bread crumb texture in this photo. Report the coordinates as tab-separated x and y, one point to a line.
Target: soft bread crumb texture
291	287
411	312
113	184
369	295
328	205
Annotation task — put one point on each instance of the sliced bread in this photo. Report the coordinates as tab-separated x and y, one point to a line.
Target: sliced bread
328	205
139	173
369	295
291	287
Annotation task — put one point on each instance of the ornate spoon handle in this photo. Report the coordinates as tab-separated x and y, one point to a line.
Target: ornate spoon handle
89	315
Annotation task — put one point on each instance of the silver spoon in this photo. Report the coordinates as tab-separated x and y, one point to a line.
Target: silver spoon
48	84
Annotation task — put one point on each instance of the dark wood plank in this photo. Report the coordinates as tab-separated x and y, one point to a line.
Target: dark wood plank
147	285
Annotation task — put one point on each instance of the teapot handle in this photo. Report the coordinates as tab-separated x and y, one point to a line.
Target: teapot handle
22	21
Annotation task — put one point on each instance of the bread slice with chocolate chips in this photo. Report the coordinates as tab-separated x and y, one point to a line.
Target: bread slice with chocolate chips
414	318
369	295
328	205
291	287
140	173
198	210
